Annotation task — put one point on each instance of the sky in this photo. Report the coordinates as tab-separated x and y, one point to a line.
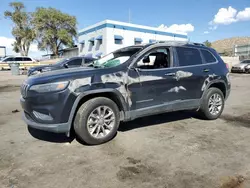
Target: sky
200	19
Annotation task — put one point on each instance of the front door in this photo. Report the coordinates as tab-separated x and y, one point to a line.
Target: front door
152	80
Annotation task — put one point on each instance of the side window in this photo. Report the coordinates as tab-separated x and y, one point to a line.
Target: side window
86	60
18	59
155	59
188	56
27	59
75	62
208	57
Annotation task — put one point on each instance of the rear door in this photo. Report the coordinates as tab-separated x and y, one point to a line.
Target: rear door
189	73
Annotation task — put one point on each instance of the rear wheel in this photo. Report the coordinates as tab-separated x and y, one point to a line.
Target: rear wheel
97	121
212	104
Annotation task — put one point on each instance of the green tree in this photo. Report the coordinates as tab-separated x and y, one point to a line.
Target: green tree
22	30
54	29
207	43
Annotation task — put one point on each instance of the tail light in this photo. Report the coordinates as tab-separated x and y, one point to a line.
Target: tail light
227	66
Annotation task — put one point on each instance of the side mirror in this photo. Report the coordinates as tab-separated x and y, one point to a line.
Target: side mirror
146	59
66	65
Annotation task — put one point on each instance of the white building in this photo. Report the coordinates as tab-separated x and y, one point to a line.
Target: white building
2	51
107	36
242	50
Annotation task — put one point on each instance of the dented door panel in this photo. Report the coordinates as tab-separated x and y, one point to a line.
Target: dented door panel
152	88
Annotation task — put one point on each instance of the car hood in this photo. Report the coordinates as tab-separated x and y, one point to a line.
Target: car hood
241	65
41	67
61	75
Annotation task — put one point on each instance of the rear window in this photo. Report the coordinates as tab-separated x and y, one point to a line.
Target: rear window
188	56
208	57
9	59
27	59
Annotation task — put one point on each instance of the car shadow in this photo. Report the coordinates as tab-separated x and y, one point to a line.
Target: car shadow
124	126
50	137
157	119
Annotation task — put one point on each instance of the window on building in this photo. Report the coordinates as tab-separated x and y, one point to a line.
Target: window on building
155	59
138	41
118	41
208	57
188	56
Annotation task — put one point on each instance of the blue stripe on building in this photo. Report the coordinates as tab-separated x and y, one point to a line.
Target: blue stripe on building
130	28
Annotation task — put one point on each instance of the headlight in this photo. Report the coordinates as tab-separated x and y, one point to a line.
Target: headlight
34	72
51	87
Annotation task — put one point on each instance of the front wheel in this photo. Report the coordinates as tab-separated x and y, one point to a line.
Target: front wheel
212	104
97	121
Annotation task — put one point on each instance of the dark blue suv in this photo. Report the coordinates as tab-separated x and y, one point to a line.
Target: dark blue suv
132	82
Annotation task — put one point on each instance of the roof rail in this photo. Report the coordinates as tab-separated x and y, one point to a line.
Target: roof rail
197	44
181	42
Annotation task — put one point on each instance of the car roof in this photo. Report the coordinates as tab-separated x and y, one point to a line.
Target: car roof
173	43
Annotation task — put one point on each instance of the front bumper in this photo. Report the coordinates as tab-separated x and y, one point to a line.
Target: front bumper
56	128
57	106
237	70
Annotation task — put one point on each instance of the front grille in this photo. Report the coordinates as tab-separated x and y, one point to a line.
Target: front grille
24	90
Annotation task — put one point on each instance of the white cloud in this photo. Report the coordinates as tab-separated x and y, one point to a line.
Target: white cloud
183	28
213	27
33	48
226	16
7	42
206	32
243	15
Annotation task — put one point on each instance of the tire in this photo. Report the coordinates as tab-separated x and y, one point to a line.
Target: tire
87	112
204	108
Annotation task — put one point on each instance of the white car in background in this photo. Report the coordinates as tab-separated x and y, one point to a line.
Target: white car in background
243	67
17	59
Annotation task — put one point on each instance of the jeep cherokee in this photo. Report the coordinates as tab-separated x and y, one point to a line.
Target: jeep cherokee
129	83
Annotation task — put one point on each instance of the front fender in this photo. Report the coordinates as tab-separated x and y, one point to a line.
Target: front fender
80	96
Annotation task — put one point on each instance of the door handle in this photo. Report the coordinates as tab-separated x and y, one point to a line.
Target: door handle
170	74
206	70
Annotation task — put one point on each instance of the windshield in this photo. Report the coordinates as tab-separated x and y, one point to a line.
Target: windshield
246	61
116	58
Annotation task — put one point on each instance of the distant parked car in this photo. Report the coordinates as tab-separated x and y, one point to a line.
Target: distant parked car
64	63
18	59
243	67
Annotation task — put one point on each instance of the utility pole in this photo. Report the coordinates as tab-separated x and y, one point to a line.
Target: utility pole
129	16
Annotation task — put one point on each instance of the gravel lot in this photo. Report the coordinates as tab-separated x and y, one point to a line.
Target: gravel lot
170	150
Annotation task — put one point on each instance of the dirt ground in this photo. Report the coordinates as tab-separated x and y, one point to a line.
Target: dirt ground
175	150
